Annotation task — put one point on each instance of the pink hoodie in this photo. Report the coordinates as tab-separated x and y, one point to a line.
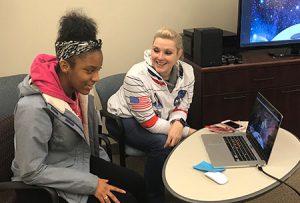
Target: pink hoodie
44	76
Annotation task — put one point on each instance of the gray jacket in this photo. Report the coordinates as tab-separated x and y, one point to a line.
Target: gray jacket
52	146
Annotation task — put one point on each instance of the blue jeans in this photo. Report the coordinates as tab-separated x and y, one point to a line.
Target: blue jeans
153	145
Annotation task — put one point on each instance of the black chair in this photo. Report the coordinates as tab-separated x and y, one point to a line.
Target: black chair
105	88
8	188
9	95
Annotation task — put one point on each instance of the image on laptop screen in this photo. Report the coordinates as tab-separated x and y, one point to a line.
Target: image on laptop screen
263	124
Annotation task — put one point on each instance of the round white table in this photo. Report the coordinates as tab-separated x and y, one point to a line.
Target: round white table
191	185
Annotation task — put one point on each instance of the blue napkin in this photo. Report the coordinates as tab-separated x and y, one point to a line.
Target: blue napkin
204	166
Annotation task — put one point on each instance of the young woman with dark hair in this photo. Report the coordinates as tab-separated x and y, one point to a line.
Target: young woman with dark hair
56	124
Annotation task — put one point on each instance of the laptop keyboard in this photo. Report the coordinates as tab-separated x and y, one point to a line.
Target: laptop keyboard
239	148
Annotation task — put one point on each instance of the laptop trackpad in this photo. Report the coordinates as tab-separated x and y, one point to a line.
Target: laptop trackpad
215	149
219	154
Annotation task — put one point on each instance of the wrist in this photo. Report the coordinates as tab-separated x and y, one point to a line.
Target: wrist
180	120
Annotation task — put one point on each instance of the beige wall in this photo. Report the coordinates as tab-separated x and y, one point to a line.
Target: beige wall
126	27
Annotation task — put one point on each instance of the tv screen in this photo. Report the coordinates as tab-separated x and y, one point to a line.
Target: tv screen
265	23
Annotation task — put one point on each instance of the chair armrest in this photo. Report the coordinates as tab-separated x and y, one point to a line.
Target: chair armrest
118	134
108	149
18	185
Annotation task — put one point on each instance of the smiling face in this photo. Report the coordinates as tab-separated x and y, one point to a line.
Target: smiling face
83	75
164	55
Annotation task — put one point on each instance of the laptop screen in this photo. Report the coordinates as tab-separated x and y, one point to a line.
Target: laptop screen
263	125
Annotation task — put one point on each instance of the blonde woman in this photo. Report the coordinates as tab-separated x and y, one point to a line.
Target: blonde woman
153	103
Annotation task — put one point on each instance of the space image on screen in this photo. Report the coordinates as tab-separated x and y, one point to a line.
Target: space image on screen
263	125
269	23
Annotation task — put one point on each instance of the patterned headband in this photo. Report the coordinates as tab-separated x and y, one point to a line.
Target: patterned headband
68	49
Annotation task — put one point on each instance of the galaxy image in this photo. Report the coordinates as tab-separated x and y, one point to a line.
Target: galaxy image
275	20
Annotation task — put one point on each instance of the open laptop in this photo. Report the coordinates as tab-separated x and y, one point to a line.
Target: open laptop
259	138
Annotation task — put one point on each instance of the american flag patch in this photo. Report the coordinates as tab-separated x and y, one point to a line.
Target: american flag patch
139	103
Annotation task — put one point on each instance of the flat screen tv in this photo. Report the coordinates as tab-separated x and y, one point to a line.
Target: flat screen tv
269	23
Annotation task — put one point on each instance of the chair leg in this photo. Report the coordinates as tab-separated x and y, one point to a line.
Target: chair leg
122	155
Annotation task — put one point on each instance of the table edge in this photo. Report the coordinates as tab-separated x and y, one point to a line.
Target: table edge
243	198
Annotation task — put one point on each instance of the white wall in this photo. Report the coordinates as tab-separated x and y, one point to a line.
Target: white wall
126	27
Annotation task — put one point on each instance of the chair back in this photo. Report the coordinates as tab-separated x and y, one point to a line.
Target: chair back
9	93
107	86
9	96
6	147
6	156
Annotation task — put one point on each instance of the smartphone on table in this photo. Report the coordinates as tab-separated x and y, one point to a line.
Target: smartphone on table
232	124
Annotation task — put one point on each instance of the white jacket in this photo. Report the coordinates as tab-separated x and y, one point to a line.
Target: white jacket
145	96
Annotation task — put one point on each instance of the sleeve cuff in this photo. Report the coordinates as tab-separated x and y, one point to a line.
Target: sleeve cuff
185	131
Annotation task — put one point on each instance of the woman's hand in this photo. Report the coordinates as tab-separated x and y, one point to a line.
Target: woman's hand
104	191
174	135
